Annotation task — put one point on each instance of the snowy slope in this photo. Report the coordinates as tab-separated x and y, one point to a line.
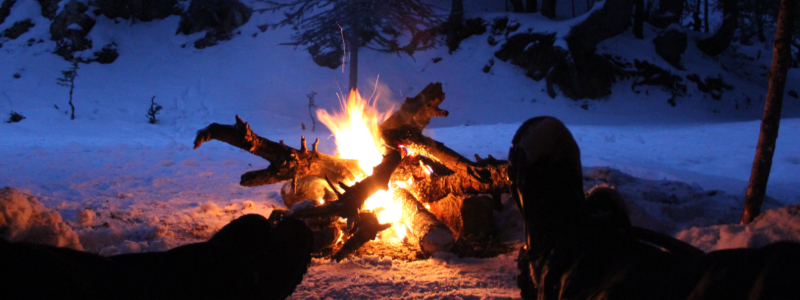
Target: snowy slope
145	189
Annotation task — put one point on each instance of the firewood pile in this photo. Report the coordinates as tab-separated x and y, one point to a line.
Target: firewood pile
447	198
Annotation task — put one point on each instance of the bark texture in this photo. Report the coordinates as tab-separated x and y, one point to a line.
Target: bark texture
470	216
286	163
517	5
781	60
549	8
531	6
423	227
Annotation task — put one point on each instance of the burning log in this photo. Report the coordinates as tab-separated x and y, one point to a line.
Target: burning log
305	188
367	229
326	231
435	188
404	127
349	204
470	216
286	163
424	228
431	169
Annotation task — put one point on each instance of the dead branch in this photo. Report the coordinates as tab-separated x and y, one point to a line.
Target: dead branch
286	163
367	229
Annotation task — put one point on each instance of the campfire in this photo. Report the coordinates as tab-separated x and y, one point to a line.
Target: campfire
388	181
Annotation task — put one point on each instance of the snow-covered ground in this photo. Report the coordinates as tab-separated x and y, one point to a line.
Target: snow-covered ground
123	185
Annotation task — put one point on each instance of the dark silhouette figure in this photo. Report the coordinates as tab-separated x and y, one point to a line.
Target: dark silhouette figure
584	247
246	259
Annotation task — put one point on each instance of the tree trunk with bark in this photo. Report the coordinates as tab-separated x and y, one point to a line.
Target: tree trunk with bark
761	6
354	65
549	8
531	6
698	23
720	41
781	60
454	24
517	5
705	15
638	19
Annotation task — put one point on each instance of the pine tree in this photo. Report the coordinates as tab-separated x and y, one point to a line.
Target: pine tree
323	25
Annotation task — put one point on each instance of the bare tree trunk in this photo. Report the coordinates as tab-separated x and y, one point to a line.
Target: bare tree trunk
517	5
698	23
531	6
549	8
71	88
716	44
638	19
671	11
760	7
354	65
781	60
705	12
454	25
573	8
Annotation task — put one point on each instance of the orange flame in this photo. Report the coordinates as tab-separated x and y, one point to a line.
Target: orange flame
356	130
357	137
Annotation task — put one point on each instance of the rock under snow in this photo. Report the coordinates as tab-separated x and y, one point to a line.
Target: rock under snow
25	219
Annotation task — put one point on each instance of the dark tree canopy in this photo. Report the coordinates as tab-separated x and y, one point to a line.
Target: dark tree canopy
382	25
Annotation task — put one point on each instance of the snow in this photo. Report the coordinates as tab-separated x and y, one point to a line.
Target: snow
22	218
110	183
444	276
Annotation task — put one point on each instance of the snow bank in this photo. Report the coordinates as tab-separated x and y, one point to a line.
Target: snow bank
667	206
780	224
24	219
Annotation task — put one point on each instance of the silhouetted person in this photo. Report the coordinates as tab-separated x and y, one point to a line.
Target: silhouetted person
246	259
583	247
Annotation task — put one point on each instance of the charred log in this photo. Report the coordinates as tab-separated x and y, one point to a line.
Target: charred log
367	229
404	127
435	188
416	113
351	201
471	216
286	163
305	188
423	227
325	230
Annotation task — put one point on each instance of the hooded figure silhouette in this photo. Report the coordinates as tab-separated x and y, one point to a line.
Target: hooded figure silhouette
584	247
